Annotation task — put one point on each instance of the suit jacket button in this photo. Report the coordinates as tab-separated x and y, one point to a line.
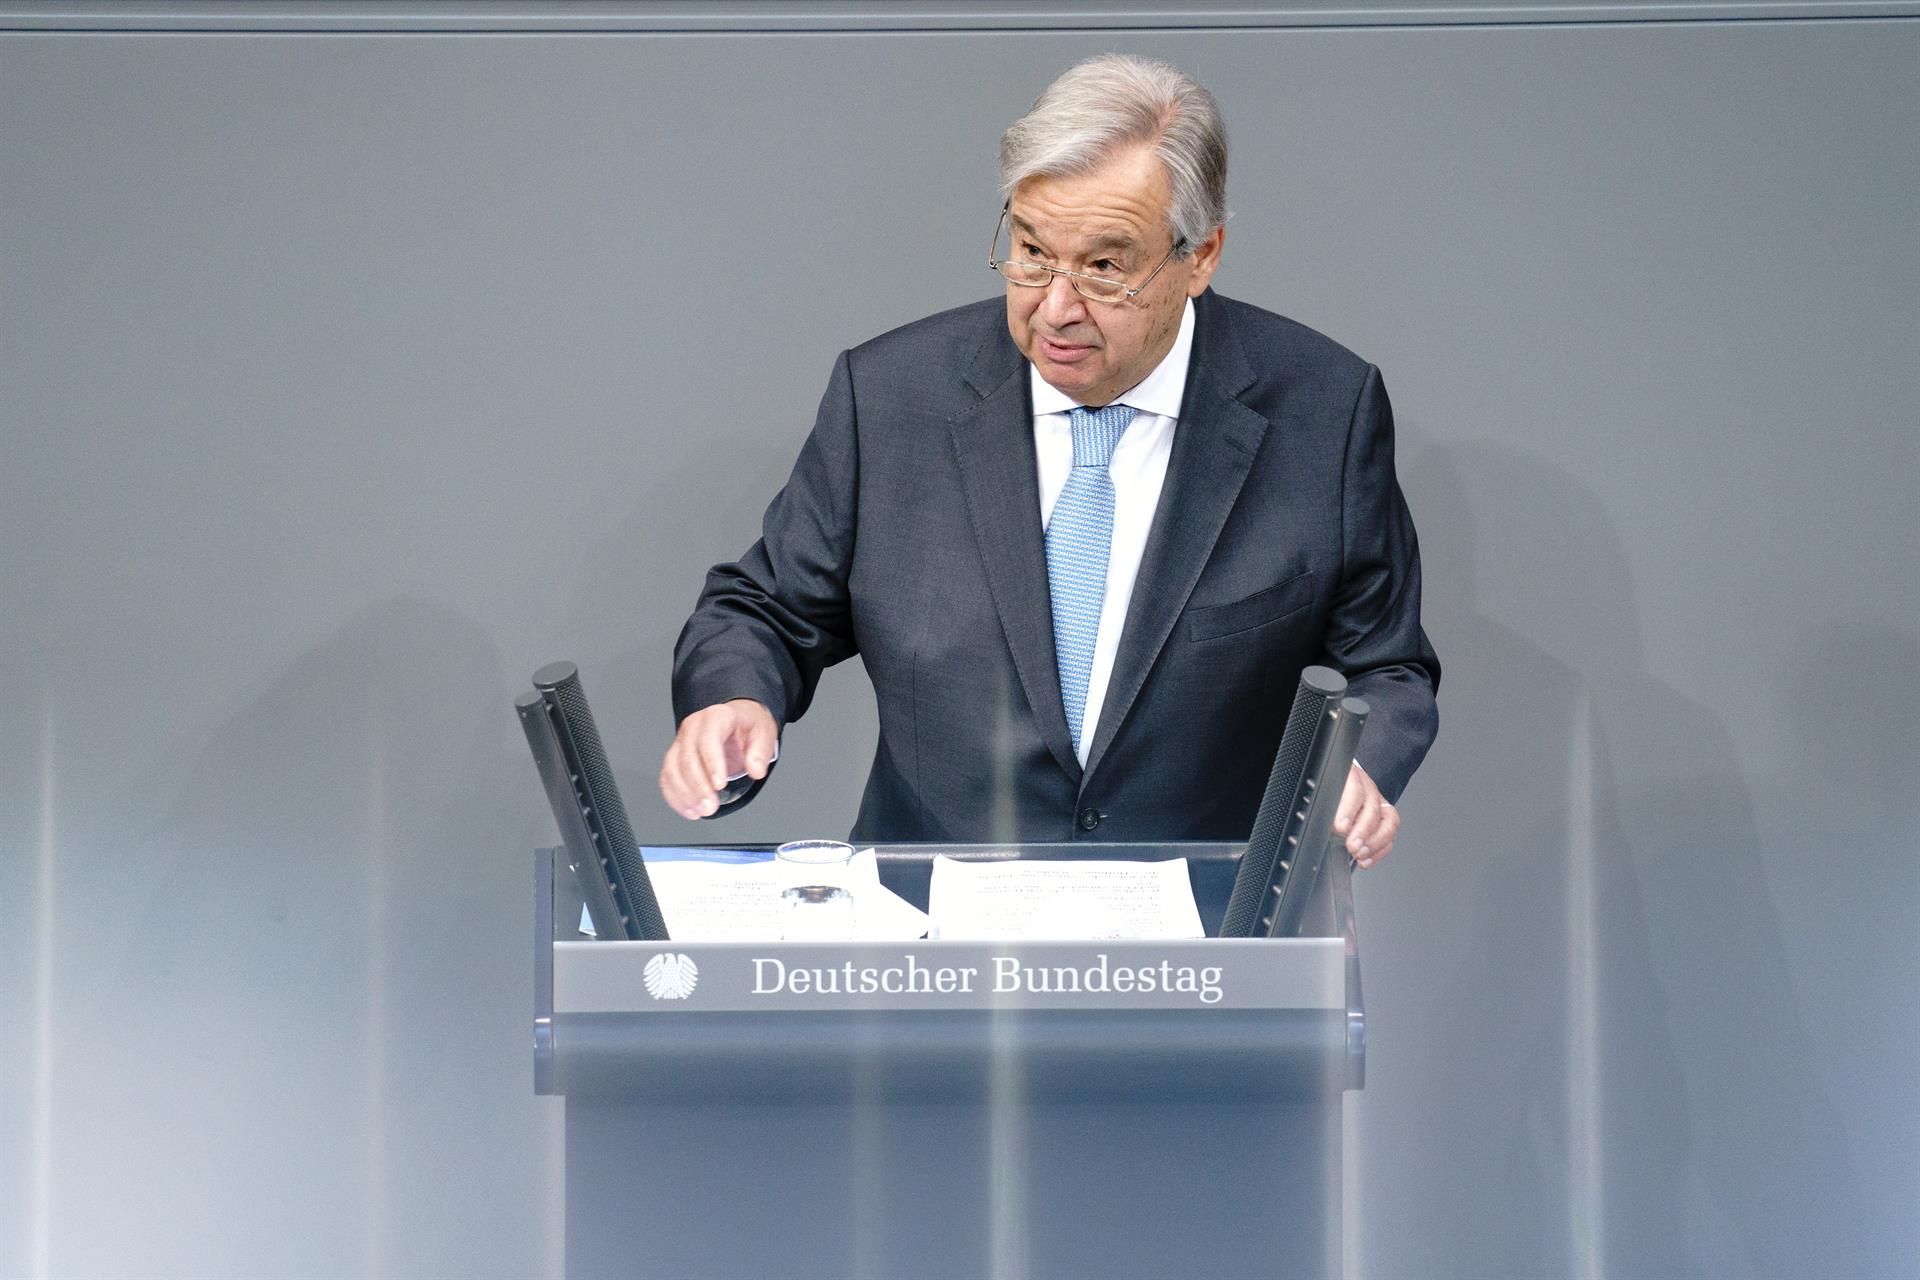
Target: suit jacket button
1090	818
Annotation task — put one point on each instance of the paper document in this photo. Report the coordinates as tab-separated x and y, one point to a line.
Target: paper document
705	901
693	853
1062	901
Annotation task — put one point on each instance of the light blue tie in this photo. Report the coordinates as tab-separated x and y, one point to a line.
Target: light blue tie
1079	536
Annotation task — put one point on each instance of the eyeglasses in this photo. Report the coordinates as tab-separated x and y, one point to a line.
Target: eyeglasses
1038	275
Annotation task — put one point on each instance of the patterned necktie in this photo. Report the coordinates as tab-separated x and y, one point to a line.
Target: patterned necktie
1079	535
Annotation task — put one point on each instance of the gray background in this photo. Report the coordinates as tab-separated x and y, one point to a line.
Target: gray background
347	376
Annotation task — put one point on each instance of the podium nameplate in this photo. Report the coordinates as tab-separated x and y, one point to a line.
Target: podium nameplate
731	977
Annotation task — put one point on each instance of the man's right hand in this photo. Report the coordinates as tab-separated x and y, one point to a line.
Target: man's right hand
714	744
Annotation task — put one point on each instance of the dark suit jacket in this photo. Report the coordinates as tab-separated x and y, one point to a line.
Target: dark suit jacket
910	534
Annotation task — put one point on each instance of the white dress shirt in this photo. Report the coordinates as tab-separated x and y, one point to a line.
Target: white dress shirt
1139	468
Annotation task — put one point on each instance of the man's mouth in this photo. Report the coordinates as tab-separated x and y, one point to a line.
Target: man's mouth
1065	352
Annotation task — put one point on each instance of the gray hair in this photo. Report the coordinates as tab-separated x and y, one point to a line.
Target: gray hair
1104	104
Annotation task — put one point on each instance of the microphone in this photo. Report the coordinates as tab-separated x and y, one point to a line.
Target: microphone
586	803
1288	847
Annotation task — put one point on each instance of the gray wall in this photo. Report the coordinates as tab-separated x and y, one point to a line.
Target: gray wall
346	377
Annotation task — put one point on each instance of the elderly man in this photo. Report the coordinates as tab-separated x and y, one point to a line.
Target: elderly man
1085	537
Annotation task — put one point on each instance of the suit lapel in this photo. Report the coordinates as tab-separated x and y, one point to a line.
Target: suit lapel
1213	450
993	443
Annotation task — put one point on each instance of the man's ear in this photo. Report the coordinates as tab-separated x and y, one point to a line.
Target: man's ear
1206	260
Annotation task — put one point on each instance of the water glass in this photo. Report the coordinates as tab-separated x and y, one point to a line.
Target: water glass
815	861
816	913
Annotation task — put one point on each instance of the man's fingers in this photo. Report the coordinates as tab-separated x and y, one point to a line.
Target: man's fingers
1365	823
1352	796
713	745
698	773
1375	833
1391	823
761	737
679	779
1378	838
710	749
1358	818
752	738
686	772
1368	823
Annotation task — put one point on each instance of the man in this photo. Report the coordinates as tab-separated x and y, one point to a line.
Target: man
1085	538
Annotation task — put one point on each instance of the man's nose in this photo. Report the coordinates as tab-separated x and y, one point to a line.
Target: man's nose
1062	306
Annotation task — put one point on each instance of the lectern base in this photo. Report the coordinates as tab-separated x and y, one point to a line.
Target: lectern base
995	1188
974	1136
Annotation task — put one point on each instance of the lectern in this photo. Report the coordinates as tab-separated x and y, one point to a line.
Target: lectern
953	1109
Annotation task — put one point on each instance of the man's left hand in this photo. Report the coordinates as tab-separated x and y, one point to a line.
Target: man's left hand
1366	819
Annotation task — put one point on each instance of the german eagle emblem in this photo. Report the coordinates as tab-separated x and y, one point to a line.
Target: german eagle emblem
671	976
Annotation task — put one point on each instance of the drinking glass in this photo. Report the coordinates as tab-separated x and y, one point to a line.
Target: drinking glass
816	913
815	861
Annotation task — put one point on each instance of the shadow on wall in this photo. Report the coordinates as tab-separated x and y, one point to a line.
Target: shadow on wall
312	1059
824	756
1846	814
1589	1056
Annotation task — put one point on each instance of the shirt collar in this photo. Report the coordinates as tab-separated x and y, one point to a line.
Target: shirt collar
1160	392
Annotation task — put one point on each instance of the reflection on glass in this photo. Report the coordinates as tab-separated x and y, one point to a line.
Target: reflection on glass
816	913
